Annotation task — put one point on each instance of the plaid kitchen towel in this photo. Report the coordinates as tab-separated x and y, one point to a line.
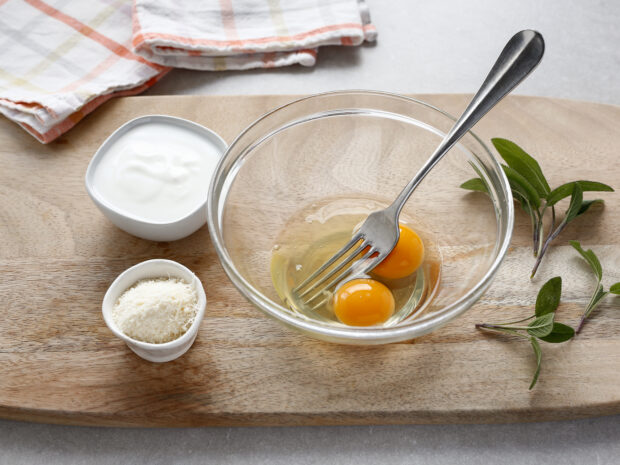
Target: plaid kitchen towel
61	59
243	34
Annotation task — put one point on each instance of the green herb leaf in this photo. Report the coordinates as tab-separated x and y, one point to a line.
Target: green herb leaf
591	258
615	288
548	297
576	200
598	296
475	184
521	187
538	352
541	326
529	187
565	190
559	333
586	204
524	164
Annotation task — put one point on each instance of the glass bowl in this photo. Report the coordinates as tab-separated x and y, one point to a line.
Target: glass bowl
359	144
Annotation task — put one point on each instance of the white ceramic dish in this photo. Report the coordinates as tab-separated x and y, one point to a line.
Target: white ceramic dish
140	227
155	269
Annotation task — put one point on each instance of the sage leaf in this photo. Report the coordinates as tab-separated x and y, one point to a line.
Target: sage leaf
591	258
548	297
519	160
615	288
538	352
587	204
565	190
475	184
596	299
530	188
541	326
576	199
559	333
522	187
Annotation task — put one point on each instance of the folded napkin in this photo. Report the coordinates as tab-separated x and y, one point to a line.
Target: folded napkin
243	34
62	59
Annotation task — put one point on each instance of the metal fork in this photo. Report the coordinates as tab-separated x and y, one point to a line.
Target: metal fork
379	233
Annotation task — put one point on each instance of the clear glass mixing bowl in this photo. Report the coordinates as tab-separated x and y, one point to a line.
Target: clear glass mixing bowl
359	143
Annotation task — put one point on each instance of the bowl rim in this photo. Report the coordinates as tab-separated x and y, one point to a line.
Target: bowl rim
95	161
108	302
354	335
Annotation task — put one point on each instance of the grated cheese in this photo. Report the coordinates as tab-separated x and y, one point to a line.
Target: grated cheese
156	310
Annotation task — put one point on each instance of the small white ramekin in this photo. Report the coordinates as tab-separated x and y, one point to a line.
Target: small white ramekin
151	230
148	270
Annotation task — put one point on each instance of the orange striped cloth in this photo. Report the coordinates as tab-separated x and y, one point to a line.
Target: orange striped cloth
61	59
218	35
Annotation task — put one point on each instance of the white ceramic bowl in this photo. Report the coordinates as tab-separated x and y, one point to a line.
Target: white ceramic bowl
155	231
155	269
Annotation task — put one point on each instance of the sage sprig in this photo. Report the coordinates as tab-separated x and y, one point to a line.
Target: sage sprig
542	327
599	292
531	189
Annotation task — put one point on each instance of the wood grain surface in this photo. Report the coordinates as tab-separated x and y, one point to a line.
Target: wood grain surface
58	254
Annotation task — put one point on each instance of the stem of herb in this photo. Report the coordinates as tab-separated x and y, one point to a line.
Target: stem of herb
500	329
516	321
551	227
535	234
552	235
581	323
535	219
538	240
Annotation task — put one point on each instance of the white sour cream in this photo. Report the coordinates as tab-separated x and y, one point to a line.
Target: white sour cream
157	172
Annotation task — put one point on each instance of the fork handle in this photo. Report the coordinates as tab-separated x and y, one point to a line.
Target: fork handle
519	57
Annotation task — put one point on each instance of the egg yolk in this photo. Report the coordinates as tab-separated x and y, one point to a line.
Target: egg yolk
405	258
363	302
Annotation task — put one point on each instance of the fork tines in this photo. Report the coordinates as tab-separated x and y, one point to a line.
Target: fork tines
357	253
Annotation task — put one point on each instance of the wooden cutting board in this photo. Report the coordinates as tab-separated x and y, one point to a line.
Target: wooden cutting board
59	362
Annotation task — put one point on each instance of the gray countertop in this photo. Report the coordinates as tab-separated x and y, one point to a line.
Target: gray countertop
594	441
438	46
447	46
